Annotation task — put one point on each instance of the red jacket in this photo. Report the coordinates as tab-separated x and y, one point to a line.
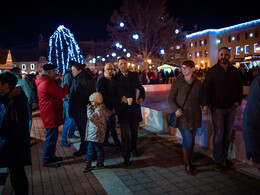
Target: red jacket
50	101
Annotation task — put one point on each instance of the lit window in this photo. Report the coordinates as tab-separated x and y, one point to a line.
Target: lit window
246	49
32	66
23	66
256	45
230	49
237	50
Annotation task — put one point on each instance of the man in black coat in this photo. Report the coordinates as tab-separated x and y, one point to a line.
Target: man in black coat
16	152
223	91
127	93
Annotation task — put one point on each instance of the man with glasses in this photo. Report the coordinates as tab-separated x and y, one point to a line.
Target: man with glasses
103	88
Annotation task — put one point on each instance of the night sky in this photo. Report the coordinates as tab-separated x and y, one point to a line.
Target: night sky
21	24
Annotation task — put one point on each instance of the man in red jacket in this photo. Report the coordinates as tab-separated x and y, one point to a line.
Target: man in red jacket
51	108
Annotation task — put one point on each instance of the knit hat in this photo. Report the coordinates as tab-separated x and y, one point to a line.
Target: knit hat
96	97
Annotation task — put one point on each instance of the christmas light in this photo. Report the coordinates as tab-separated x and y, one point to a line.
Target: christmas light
63	48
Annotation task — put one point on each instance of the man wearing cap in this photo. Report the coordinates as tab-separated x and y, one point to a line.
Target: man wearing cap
51	109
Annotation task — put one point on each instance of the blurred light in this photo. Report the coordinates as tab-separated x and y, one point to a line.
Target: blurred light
103	59
124	50
177	31
121	24
135	36
113	54
128	55
117	44
162	52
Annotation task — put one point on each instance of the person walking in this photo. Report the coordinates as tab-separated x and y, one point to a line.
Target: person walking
103	87
15	151
51	109
251	123
95	131
69	123
83	85
126	93
222	94
185	99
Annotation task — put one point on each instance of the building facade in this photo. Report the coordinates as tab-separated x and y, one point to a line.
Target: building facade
242	40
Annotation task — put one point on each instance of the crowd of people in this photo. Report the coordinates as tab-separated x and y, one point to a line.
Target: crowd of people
79	100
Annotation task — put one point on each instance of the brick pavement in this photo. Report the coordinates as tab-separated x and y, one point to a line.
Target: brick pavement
159	170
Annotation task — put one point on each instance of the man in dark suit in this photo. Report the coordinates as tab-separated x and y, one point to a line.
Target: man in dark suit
127	93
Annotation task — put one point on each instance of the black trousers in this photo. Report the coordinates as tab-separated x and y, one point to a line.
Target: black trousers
129	134
19	180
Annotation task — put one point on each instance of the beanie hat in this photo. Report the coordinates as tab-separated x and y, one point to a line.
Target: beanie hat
96	97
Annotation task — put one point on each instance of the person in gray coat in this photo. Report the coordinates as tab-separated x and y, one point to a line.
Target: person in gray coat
189	118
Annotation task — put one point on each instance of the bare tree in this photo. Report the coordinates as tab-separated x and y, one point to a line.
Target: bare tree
145	29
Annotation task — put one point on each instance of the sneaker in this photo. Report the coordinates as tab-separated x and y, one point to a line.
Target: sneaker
127	163
136	153
100	165
65	143
73	136
57	158
76	133
87	167
52	164
219	166
227	163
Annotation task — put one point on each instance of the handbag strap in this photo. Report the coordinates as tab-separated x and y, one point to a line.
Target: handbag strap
187	95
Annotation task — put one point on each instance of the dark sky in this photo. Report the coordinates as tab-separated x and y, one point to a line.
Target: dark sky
21	24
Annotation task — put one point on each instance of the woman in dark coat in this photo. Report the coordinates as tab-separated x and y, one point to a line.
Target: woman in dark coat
190	117
15	153
251	125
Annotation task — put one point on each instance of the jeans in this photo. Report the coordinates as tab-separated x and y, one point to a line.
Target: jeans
128	141
111	126
81	124
222	120
49	147
69	124
188	138
99	148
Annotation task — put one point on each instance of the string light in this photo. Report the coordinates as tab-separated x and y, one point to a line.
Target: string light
63	48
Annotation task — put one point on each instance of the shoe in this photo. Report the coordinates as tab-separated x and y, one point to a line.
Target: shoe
127	163
52	164
219	166
88	166
108	144
79	153
76	133
227	163
57	158
100	165
136	153
73	136
189	169
65	143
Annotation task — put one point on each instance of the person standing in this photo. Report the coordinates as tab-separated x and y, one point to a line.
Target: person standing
187	86
251	125
223	92
126	93
51	109
103	87
83	85
69	123
16	150
95	130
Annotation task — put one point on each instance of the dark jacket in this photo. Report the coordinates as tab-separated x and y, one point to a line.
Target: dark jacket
191	118
83	85
15	130
251	124
222	89
126	86
67	79
103	87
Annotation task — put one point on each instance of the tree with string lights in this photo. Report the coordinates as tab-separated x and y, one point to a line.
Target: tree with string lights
63	48
147	31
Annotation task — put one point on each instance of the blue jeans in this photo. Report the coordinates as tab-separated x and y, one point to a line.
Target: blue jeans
99	147
188	138
49	147
69	124
223	120
81	124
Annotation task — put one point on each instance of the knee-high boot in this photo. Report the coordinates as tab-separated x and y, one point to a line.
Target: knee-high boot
187	160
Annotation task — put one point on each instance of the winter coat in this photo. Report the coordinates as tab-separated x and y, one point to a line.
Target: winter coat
50	101
191	118
126	86
96	125
83	85
251	124
222	88
103	87
16	150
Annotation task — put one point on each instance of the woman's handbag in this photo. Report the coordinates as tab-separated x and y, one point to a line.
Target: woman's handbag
173	118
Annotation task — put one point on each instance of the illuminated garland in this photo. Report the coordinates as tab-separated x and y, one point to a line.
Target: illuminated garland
63	48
